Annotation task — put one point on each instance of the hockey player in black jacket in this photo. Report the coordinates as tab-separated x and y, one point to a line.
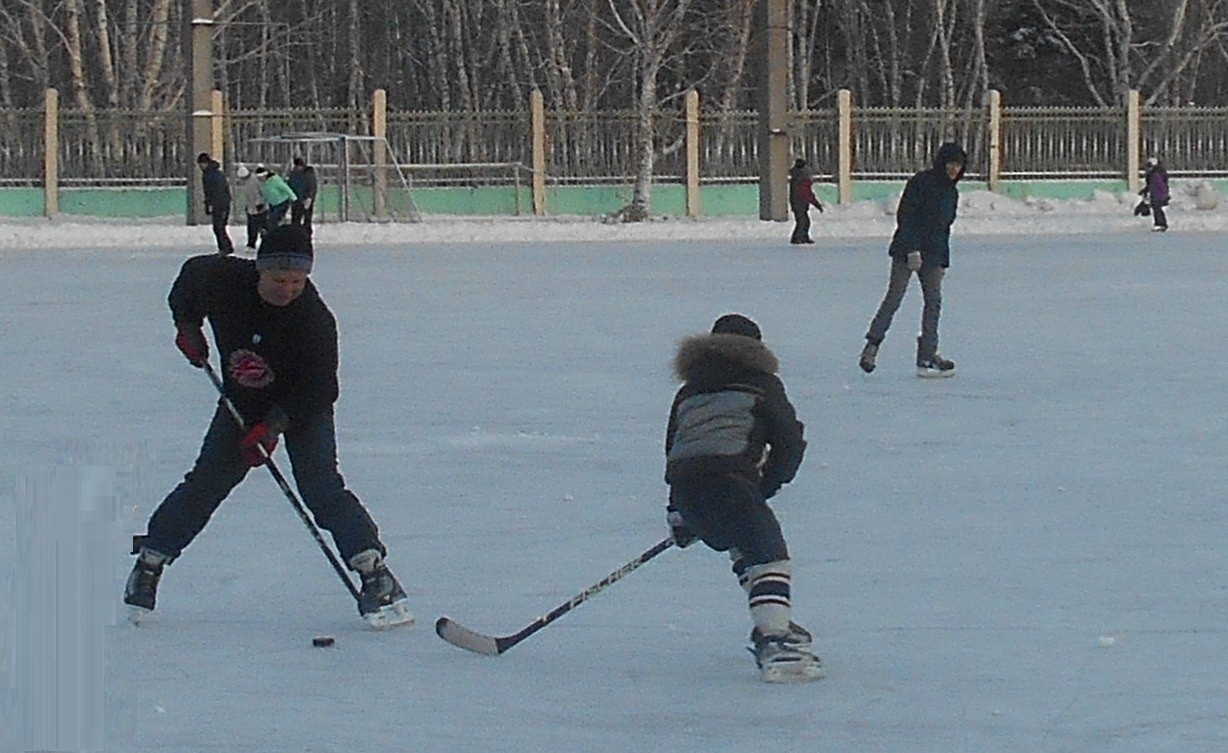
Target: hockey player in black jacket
277	342
733	440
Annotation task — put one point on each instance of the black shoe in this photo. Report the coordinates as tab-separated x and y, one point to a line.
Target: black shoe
142	587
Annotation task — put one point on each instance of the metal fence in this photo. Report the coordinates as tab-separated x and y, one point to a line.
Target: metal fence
143	148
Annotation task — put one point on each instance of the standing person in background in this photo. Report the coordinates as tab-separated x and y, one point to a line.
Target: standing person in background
302	181
253	205
217	200
277	194
732	441
801	198
277	342
1155	191
921	244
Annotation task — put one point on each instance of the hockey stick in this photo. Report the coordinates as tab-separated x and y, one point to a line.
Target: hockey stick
285	487
462	637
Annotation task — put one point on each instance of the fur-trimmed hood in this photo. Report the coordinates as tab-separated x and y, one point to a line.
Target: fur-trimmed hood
700	354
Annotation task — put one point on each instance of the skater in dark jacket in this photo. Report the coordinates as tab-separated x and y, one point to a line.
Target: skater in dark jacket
1155	193
921	244
732	441
302	180
217	200
801	198
277	343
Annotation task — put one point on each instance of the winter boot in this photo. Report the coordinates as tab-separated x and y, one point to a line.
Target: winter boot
781	660
141	591
930	364
869	355
382	602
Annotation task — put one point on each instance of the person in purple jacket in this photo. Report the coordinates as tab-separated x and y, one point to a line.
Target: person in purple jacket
1155	192
277	342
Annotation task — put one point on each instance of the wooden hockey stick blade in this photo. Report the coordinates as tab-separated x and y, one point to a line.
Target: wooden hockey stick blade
462	637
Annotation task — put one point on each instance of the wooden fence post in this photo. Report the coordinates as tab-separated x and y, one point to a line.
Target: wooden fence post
993	179
692	153
199	114
51	153
379	129
1133	141
844	169
537	118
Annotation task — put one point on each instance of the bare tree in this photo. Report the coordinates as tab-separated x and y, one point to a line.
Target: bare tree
651	27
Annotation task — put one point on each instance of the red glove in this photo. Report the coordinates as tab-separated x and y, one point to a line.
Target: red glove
192	344
260	435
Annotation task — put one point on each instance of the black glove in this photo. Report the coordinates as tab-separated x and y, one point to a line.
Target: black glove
683	536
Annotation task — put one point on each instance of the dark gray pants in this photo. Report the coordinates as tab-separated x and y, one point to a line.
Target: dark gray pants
312	446
897	286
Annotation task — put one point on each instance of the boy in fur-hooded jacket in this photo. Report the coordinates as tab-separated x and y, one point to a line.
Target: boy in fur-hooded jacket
732	441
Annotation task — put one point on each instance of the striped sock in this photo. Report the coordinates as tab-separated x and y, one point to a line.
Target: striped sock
767	592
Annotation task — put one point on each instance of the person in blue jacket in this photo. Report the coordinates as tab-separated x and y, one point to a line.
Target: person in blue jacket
921	244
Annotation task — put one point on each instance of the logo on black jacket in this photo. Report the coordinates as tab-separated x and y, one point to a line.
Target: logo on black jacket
250	369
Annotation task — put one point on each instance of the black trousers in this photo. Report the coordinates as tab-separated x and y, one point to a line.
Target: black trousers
220	217
801	225
729	512
301	215
255	227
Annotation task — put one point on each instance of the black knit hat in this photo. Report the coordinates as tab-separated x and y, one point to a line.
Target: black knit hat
736	324
285	247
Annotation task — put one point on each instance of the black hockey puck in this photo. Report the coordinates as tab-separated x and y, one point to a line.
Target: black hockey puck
323	641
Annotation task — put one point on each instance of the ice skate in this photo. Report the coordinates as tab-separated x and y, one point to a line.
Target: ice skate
869	355
781	660
935	366
932	364
141	590
797	636
382	602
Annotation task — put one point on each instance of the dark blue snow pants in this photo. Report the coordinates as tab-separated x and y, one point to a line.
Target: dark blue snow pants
312	446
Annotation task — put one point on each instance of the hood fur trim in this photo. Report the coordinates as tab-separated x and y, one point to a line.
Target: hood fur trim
743	352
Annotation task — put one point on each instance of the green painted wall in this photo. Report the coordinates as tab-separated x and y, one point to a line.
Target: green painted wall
724	200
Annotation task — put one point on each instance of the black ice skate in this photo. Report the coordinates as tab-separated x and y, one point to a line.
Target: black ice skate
798	637
869	355
932	364
141	591
781	658
382	602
